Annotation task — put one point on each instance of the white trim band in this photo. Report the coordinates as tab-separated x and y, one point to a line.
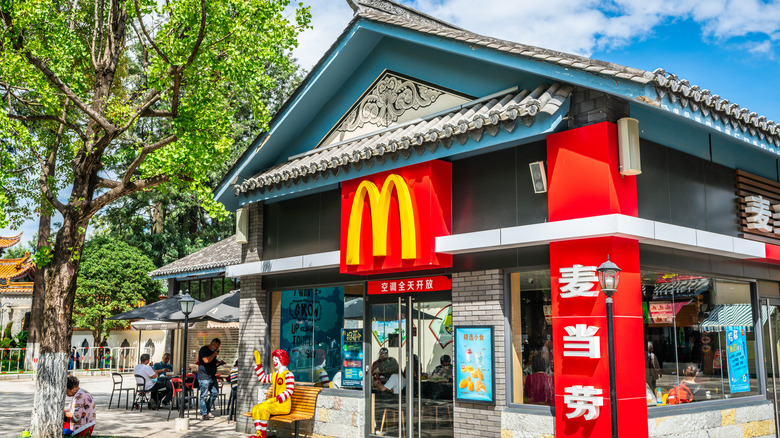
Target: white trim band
617	225
307	262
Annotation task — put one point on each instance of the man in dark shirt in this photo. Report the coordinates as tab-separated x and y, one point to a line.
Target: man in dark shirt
207	377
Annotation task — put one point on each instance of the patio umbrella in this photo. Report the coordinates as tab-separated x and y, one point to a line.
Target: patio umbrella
148	324
158	311
224	308
380	312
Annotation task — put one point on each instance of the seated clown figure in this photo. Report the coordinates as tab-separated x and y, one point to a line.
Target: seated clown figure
282	381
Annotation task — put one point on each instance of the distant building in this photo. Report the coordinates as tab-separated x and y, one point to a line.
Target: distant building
16	287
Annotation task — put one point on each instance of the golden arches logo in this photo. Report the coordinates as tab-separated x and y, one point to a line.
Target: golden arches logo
379	205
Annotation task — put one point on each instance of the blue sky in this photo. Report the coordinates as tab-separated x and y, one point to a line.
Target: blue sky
730	47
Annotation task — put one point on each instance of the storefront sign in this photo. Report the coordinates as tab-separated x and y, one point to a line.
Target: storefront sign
739	375
759	207
352	358
421	284
310	326
474	364
390	220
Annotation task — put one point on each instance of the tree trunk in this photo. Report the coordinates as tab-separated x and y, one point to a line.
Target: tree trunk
39	282
56	331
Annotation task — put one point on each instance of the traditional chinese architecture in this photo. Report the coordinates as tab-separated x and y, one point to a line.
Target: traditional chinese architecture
16	286
422	228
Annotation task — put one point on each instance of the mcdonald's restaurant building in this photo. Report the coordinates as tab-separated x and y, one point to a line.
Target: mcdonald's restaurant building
422	224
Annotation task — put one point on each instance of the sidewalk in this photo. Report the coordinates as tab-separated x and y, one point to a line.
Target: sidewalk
16	398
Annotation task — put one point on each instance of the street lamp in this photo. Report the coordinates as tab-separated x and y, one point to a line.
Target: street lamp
186	303
609	277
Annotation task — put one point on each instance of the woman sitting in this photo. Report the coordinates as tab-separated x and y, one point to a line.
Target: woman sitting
539	388
80	415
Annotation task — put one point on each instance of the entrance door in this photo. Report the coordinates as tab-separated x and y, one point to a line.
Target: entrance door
770	317
412	369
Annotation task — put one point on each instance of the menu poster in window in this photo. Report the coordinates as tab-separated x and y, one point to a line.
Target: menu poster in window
474	364
736	355
352	358
311	323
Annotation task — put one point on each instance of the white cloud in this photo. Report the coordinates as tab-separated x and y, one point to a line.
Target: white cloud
580	27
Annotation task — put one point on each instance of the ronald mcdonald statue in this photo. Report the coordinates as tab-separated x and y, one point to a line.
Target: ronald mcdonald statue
282	382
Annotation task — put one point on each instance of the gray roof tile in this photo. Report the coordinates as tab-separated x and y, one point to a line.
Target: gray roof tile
226	252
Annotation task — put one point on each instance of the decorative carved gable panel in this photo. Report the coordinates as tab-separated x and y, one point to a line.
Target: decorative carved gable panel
392	99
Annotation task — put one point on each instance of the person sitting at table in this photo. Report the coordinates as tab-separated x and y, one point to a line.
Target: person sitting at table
384	367
165	365
539	388
152	383
397	383
80	414
444	369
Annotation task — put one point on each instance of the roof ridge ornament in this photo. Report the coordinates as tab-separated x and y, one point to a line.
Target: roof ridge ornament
389	7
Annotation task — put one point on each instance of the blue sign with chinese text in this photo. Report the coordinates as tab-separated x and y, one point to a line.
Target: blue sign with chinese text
474	367
736	345
352	358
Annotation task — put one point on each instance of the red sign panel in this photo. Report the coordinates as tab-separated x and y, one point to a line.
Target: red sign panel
421	284
390	220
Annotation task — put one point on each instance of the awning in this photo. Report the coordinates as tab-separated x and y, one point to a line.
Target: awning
224	308
157	311
149	324
731	315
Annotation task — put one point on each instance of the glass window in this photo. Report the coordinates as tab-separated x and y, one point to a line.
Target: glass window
195	290
531	323
309	324
699	338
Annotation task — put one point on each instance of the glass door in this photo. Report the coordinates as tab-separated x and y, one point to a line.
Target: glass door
412	372
770	318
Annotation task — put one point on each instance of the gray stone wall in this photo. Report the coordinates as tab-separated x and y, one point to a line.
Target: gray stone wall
337	416
525	425
590	106
754	420
478	299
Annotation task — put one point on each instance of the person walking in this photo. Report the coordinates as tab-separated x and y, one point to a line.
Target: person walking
207	377
652	367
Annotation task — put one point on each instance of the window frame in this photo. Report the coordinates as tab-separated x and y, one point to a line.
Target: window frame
509	384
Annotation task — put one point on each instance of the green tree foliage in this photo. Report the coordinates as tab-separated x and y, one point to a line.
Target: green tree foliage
100	99
113	279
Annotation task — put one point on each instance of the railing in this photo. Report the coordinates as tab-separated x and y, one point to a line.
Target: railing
12	360
116	359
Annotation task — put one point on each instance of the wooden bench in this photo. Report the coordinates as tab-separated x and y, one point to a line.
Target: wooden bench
304	401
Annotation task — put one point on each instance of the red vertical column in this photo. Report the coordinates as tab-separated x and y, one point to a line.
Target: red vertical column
584	181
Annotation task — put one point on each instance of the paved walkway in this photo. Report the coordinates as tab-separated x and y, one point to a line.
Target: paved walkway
16	397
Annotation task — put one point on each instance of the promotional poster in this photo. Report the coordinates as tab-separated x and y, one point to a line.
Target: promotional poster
474	366
739	378
311	331
352	358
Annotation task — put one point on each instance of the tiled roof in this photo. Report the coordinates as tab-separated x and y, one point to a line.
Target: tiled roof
390	12
7	242
469	121
712	105
18	288
223	253
15	268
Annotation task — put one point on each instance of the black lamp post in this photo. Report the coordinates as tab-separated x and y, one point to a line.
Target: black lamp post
609	277
186	303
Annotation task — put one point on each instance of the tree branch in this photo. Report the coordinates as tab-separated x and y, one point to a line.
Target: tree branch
201	34
60	120
106	183
146	150
122	190
143	28
44	184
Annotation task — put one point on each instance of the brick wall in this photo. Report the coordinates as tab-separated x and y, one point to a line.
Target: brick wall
524	425
478	299
252	331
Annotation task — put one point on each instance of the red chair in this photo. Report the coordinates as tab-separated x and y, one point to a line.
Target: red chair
180	397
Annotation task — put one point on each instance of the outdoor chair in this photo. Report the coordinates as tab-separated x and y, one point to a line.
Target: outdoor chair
119	387
141	395
180	396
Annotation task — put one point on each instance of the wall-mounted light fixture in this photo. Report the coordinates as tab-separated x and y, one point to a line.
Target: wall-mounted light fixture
242	225
538	176
628	146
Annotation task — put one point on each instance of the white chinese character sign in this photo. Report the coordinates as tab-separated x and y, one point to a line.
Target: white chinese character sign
424	284
759	207
583	401
578	281
582	341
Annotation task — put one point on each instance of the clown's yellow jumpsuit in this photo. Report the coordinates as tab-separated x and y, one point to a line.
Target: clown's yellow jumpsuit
283	383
